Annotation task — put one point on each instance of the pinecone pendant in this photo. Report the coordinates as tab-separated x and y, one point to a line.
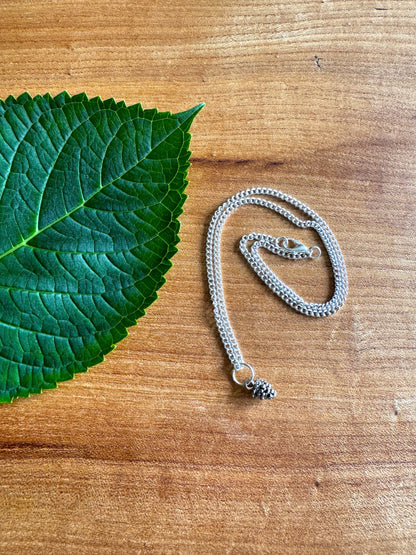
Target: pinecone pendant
263	389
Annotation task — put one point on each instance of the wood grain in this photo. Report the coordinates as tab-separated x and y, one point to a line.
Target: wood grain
155	451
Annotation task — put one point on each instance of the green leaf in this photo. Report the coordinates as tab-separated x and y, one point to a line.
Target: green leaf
90	194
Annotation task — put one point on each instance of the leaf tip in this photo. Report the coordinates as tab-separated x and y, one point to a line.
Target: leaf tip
196	109
189	115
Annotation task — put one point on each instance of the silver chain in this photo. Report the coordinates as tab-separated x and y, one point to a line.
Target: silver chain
282	246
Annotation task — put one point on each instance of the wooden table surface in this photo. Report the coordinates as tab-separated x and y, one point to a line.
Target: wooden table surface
155	450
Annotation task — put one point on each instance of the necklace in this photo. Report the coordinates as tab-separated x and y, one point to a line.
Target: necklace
281	246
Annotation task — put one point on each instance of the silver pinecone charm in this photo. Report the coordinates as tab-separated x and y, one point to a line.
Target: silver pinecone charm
263	389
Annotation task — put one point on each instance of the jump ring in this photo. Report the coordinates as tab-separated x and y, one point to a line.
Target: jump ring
314	252
240	368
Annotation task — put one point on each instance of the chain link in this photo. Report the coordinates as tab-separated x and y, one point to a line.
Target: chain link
282	246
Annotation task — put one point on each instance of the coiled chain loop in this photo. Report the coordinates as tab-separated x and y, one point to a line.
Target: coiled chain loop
282	246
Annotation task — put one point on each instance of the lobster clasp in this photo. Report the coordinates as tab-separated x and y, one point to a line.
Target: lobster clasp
292	247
